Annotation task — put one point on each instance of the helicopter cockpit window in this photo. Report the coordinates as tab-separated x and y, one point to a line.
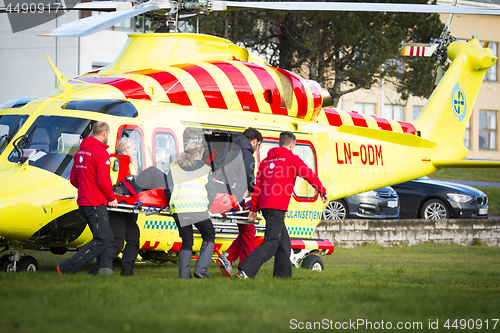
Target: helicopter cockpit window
136	135
9	125
51	142
113	107
17	103
165	150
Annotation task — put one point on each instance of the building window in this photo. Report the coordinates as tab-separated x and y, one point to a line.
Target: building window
488	129
127	24
416	111
365	108
467	136
491	74
392	111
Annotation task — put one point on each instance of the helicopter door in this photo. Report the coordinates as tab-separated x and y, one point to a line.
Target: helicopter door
304	210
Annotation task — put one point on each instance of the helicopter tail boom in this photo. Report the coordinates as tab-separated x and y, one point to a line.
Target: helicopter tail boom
445	116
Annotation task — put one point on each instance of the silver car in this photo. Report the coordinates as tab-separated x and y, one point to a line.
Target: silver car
382	203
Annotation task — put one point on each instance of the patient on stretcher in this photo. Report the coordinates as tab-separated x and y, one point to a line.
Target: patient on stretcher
147	189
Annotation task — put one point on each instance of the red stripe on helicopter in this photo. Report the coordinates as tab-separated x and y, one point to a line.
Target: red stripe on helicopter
147	246
383	124
174	88
176	247
208	86
408	128
299	91
241	86
325	244
268	83
417	51
333	117
358	119
317	96
129	88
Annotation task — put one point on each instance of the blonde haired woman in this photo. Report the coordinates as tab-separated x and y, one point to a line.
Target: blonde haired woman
121	160
124	225
191	192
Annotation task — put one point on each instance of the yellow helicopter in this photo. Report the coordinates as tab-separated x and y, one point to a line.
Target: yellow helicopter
166	89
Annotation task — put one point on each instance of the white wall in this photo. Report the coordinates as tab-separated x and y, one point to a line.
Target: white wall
24	69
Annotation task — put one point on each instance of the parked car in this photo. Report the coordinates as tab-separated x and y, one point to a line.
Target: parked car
382	203
431	199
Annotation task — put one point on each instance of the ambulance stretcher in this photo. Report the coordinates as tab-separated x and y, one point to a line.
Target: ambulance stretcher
226	214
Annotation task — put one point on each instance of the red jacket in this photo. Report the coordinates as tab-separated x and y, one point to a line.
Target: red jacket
276	179
90	173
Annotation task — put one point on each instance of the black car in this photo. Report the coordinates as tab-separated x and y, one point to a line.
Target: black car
381	203
431	199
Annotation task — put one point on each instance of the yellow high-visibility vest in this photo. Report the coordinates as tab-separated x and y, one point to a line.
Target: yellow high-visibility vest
189	194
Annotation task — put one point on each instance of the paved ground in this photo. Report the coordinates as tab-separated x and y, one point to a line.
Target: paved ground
471	183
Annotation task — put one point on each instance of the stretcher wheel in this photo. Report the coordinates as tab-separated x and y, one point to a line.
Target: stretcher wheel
313	262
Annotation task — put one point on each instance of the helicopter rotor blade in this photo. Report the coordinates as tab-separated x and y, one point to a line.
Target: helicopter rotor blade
448	24
103	6
92	24
364	7
418	50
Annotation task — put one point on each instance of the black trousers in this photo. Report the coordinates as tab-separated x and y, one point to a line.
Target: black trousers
125	229
206	229
276	244
101	245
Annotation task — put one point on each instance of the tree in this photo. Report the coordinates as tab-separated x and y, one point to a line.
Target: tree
357	49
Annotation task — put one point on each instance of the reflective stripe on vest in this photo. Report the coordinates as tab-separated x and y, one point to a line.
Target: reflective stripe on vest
189	194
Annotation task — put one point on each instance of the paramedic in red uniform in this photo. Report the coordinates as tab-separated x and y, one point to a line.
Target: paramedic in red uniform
271	195
90	175
239	173
124	225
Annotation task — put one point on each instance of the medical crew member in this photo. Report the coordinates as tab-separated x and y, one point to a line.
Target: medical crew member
239	173
272	191
124	225
191	192
90	175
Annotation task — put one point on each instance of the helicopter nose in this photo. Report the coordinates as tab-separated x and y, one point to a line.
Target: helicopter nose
24	201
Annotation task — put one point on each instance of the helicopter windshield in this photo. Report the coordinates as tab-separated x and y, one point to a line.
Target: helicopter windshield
51	143
9	125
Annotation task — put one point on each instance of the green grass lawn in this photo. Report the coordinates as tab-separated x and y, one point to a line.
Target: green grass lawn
408	285
481	175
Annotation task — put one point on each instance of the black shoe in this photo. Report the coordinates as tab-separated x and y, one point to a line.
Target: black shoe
201	276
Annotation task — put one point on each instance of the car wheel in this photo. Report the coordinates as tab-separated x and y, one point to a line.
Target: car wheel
336	210
313	262
435	209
